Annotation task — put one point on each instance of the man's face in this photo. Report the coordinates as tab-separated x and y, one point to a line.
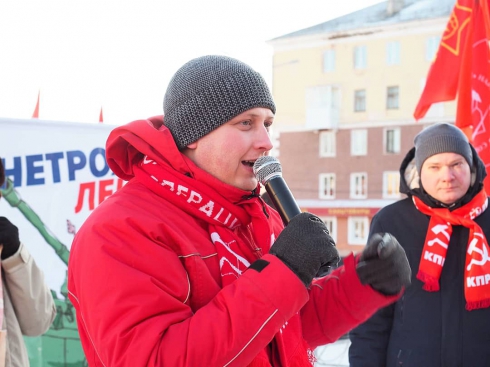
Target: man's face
229	152
446	177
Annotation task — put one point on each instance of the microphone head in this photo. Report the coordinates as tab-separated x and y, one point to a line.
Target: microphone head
267	167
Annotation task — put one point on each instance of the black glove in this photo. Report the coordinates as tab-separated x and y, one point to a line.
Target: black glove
9	238
306	247
384	265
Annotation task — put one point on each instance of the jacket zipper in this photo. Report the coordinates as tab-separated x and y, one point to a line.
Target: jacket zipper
256	250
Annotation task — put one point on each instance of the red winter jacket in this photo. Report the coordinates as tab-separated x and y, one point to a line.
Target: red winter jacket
145	281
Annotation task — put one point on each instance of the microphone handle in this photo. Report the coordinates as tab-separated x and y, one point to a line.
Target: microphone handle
282	198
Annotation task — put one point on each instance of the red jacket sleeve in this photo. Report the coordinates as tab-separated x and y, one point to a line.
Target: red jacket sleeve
134	312
338	303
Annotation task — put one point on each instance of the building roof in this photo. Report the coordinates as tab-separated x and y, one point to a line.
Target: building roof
377	15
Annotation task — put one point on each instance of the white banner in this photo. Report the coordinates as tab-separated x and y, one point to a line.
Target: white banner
57	174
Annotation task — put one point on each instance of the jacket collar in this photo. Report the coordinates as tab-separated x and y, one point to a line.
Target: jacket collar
130	143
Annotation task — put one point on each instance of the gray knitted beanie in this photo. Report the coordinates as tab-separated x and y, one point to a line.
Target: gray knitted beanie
441	138
207	92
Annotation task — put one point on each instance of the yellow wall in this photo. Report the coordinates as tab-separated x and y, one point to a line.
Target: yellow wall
296	70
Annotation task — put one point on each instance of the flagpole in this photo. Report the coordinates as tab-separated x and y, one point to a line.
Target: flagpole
35	114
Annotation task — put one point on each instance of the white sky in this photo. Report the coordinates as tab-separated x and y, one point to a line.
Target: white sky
121	54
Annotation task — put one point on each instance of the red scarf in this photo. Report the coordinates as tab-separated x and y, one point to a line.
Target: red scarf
477	264
235	254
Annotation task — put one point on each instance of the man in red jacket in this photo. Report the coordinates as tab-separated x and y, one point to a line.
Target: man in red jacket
187	266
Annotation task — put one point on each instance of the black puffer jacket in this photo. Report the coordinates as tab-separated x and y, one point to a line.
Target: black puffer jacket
426	329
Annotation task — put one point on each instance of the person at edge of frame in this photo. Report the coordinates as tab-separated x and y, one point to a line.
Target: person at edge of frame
443	318
28	307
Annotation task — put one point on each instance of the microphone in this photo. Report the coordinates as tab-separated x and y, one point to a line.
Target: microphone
268	172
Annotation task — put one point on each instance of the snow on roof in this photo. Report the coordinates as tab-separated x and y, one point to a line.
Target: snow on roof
377	15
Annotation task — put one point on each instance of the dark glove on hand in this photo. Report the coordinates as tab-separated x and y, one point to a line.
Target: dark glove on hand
9	238
306	247
384	265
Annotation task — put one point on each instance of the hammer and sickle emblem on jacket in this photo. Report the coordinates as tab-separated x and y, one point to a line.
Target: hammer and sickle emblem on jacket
440	229
483	251
215	237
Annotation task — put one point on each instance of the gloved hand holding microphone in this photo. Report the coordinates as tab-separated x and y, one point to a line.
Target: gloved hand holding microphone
307	248
305	245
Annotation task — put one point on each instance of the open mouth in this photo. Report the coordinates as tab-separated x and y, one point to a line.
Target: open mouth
248	163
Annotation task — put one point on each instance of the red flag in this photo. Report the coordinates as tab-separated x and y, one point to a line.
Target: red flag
486	17
473	112
442	79
101	117
35	115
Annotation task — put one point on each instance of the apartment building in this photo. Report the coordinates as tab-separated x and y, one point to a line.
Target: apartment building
345	92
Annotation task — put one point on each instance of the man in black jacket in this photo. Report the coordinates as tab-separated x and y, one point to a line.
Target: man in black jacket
443	319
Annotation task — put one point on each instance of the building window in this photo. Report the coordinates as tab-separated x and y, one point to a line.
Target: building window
358	228
360	100
327	144
391	185
393	53
431	47
322	107
358	185
360	57
358	143
392	94
328	60
392	140
327	186
331	223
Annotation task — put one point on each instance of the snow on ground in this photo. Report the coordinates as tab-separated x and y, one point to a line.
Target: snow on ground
333	355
